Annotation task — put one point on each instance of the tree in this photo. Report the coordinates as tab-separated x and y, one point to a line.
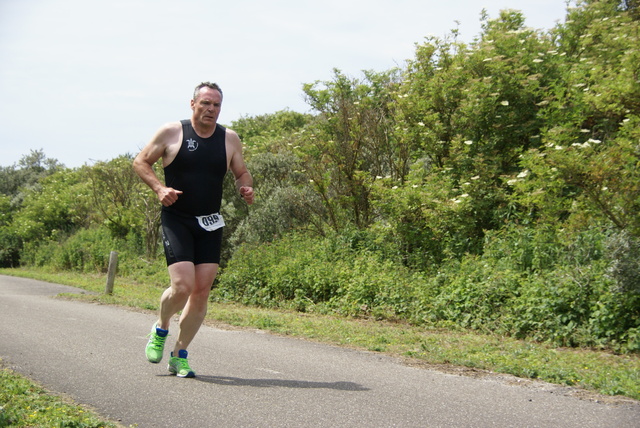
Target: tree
592	122
350	143
127	205
16	179
59	204
283	199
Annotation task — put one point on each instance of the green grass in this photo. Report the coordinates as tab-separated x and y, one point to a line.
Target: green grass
25	404
449	349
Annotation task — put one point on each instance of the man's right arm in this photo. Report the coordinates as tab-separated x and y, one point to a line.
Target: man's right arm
158	147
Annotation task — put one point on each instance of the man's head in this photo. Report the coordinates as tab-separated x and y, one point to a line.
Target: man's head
206	104
209	85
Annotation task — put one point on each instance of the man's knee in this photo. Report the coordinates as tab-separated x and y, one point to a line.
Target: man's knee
201	294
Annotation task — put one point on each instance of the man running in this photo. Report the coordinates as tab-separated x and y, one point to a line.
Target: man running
196	154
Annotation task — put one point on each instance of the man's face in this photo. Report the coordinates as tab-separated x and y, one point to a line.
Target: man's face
206	106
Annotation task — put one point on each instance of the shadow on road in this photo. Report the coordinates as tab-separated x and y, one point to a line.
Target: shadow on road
270	383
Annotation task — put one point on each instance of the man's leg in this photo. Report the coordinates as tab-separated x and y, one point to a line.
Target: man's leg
196	305
174	298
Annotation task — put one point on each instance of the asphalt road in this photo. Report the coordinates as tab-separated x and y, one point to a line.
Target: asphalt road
95	354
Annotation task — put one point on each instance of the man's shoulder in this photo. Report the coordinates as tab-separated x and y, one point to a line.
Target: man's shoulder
170	127
228	131
231	137
175	125
169	135
222	128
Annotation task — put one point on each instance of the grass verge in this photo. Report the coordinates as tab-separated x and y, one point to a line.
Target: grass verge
452	350
26	404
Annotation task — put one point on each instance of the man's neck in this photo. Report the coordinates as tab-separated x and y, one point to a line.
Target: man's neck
204	131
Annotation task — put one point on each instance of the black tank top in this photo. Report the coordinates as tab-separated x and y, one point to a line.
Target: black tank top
198	170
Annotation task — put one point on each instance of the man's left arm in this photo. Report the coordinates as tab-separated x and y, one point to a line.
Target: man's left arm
244	180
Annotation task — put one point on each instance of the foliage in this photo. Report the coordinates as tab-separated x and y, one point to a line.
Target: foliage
84	251
269	132
493	186
349	143
59	205
125	203
591	138
16	179
17	183
281	202
528	283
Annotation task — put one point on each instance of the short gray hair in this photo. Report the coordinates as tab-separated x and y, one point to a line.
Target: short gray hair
206	85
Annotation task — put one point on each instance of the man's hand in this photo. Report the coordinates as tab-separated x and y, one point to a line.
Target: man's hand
168	196
247	194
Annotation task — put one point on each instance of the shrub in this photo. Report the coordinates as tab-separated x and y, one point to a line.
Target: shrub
85	251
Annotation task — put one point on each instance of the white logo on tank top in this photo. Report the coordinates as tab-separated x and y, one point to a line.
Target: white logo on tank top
192	145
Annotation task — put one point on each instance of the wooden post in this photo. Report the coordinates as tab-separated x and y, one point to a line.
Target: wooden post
111	272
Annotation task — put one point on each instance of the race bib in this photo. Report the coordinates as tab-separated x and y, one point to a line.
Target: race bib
210	222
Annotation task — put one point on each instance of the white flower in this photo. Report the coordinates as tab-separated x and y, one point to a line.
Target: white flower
582	146
591	140
468	142
504	103
477	177
512	182
523	174
420	123
537	60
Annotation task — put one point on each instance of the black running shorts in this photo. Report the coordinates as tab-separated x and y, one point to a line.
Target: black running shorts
185	240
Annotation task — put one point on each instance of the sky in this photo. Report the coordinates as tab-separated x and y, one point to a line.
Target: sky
90	80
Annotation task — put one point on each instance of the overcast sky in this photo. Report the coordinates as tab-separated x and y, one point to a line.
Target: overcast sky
89	80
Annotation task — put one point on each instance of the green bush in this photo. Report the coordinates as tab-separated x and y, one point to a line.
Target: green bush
303	272
474	294
87	250
539	284
10	247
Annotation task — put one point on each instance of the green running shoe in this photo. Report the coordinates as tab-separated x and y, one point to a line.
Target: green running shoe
179	365
155	346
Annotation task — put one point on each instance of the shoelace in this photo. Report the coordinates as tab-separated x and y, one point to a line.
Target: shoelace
181	364
157	341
